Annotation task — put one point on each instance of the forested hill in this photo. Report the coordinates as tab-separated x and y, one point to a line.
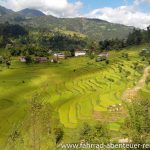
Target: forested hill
93	28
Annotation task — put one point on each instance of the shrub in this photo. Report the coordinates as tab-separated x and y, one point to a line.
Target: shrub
125	55
107	61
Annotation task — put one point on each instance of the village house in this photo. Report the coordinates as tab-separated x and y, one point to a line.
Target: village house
23	59
104	54
115	108
60	55
41	59
145	52
80	53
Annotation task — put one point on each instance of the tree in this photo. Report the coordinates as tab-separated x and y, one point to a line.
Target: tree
59	133
137	125
7	60
135	37
28	59
10	30
95	134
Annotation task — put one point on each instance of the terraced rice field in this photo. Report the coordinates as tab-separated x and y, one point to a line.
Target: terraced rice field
79	89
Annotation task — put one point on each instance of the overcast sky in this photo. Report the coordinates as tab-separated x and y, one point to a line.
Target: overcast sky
129	12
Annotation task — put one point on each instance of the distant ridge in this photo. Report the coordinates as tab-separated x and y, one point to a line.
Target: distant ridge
4	11
31	13
95	29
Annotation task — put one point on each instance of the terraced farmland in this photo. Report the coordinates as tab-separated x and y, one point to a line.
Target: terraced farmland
79	89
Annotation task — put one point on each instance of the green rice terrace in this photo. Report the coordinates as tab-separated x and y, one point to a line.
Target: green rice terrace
79	90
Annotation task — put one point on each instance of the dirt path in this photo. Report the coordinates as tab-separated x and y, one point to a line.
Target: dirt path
129	94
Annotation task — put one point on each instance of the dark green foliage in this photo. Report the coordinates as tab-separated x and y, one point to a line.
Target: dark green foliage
9	30
125	55
113	44
62	42
1	59
29	59
95	134
8	63
138	123
6	60
107	61
59	133
110	79
14	135
135	38
15	52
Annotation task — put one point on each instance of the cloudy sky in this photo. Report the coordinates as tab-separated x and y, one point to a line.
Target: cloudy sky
129	12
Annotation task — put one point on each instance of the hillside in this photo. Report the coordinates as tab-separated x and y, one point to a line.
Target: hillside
93	28
31	13
96	29
84	95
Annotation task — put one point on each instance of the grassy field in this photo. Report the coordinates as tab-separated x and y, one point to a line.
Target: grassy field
79	89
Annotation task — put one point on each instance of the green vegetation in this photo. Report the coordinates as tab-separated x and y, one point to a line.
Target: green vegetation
49	97
69	97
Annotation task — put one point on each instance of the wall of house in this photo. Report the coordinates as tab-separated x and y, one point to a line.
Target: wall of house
80	54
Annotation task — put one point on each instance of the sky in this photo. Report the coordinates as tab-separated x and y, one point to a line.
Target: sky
128	12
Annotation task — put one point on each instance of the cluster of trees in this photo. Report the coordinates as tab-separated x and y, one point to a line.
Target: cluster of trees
22	41
136	126
114	44
62	42
98	133
136	37
10	30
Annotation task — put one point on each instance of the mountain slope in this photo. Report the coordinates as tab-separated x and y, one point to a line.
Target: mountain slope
4	11
93	28
31	13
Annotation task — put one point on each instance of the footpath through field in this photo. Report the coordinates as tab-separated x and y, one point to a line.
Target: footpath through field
129	94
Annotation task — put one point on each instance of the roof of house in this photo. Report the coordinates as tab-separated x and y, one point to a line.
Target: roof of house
82	51
103	54
22	57
41	58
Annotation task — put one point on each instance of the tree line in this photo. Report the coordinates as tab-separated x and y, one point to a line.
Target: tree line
136	37
21	40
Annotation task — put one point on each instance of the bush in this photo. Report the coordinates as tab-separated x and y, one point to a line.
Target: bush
107	61
59	133
148	80
98	133
102	58
143	59
29	59
125	55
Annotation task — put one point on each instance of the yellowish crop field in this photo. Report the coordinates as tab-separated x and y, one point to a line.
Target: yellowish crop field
79	90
